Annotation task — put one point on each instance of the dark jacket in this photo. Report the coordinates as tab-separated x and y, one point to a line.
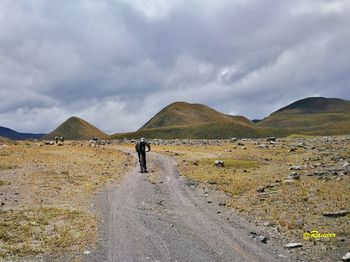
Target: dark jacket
140	147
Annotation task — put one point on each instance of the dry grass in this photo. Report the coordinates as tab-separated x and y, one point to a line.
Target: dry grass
291	208
46	194
43	230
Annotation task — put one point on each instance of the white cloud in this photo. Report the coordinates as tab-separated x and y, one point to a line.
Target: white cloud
153	9
334	7
116	63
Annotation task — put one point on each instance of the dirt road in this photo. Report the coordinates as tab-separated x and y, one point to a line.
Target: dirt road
167	220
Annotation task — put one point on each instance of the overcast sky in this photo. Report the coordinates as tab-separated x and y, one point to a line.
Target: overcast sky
116	63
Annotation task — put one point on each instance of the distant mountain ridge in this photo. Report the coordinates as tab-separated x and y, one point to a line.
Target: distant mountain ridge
312	116
316	105
76	128
185	120
14	135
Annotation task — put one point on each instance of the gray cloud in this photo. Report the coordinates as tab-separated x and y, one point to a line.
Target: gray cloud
116	62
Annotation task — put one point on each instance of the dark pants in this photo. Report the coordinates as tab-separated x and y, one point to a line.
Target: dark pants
144	159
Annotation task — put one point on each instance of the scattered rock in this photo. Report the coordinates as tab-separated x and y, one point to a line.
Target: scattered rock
160	203
346	257
346	164
263	146
294	245
301	144
293	176
261	239
87	252
253	234
295	168
260	189
191	183
258	237
340	213
288	181
267	224
219	163
51	143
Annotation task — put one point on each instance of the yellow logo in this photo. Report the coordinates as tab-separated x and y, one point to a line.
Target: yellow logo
315	234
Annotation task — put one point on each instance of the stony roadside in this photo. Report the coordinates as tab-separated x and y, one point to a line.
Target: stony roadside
287	187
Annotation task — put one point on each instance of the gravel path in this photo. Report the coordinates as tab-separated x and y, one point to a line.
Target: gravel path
167	220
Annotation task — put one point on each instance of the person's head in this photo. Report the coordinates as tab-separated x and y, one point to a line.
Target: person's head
142	139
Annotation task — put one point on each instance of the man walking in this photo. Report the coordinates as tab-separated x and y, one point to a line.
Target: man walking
140	148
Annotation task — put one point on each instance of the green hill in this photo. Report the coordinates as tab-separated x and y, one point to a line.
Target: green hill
76	129
312	105
313	116
184	114
213	130
185	120
309	116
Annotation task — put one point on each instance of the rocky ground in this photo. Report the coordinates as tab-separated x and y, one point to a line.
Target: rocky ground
288	187
263	196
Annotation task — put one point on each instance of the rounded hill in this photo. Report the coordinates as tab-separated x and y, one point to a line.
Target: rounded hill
76	128
316	105
186	114
313	115
186	120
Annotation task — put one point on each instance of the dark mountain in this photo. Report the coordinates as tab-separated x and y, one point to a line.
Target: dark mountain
312	105
14	135
313	116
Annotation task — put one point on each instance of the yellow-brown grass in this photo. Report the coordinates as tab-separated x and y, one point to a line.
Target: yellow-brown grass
46	194
291	208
